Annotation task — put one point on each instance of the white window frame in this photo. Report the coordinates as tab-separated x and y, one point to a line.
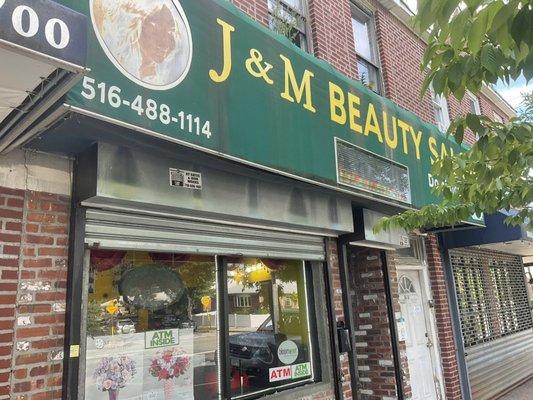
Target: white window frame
242	301
440	106
303	13
358	13
475	102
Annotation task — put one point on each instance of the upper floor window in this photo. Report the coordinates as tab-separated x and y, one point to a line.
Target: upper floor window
366	49
288	17
474	104
440	110
498	118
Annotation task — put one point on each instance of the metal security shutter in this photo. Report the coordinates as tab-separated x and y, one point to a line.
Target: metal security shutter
127	231
495	319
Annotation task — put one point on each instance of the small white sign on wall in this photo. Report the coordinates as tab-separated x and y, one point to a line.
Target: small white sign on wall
185	179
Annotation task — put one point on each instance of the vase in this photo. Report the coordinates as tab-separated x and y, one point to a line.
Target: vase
169	389
113	394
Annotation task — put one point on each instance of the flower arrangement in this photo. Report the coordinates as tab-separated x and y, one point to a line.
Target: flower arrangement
169	364
112	373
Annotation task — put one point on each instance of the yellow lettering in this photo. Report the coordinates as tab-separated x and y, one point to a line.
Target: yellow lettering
392	143
336	104
433	149
372	124
405	129
304	87
443	151
417	139
226	49
353	110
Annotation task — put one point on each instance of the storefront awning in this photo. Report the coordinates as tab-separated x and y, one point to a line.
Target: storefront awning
43	48
497	235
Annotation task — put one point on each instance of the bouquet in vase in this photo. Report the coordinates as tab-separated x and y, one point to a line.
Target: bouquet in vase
112	374
169	364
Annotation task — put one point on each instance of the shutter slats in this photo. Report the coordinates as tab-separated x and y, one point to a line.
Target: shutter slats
128	231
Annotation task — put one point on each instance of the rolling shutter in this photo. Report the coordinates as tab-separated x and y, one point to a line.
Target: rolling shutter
127	231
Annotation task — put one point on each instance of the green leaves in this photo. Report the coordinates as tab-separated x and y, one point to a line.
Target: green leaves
479	44
469	47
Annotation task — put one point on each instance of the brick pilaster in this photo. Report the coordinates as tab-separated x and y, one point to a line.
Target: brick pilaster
452	384
33	291
373	337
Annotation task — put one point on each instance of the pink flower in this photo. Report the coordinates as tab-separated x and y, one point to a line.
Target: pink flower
107	384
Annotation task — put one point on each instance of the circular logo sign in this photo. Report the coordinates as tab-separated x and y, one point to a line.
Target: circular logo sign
288	352
149	41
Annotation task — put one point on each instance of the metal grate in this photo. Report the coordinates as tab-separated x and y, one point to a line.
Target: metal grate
491	295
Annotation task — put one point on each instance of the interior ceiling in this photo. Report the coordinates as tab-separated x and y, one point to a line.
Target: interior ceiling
519	247
19	76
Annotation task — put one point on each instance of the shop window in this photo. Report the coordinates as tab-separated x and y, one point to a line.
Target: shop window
152	326
270	347
366	49
440	111
288	18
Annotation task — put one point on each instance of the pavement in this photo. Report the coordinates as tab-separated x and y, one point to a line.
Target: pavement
522	392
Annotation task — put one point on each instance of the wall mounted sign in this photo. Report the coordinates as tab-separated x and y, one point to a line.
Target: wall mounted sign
46	27
217	81
185	179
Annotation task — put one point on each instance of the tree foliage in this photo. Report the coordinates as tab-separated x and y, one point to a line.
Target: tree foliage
474	43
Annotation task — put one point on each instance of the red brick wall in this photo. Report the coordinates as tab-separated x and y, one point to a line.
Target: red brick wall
401	52
375	362
333	41
11	204
32	292
443	318
257	9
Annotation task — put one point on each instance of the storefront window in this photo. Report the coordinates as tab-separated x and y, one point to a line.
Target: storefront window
269	339
151	326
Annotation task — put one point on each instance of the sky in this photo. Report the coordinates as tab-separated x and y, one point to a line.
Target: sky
513	92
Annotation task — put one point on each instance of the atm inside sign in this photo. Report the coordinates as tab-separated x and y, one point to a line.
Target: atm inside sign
289	372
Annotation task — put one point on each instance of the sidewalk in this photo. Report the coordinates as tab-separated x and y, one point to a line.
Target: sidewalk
522	392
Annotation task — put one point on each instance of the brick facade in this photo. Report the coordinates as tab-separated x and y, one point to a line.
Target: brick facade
34	239
373	341
443	318
33	268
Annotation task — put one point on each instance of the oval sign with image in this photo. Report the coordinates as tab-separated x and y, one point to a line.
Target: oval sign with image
288	352
149	41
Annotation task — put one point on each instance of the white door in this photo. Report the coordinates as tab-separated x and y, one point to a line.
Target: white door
416	336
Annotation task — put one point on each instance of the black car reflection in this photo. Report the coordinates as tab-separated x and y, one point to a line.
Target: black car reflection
252	354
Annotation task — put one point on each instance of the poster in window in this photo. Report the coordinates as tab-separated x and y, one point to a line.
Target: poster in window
114	367
155	365
169	369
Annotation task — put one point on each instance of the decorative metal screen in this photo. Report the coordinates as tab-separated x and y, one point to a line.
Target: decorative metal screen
491	295
367	171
